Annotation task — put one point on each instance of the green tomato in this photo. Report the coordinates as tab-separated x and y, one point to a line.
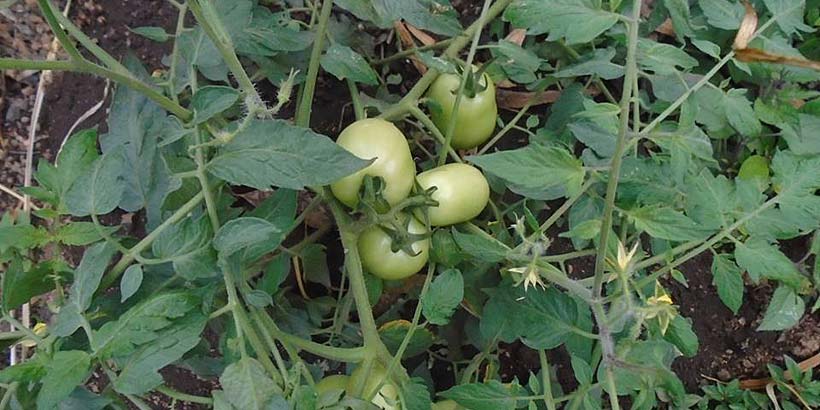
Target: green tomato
462	193
446	405
332	383
375	138
475	118
378	258
385	397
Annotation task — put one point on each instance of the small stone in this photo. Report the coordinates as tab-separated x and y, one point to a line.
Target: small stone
724	375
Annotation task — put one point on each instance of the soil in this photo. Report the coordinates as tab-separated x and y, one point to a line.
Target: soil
729	345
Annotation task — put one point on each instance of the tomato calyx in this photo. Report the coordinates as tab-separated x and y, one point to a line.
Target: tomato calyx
371	196
474	85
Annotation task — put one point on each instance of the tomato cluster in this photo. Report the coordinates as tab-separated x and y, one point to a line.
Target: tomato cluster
461	192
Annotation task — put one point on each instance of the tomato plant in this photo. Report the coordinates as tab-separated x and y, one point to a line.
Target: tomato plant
648	172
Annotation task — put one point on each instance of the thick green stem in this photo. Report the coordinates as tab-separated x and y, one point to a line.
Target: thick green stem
306	99
620	146
415	50
43	65
340	354
546	379
358	109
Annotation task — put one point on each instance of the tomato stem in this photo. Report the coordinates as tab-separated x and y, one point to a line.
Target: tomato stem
306	99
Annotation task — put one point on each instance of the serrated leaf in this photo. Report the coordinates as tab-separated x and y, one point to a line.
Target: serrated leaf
99	190
763	260
598	62
789	14
710	200
535	167
483	396
275	153
80	233
723	14
663	59
211	100
443	297
578	21
711	49
89	273
581	370
393	333
802	136
784	311
740	114
23	236
437	16
75	159
21	284
243	232
344	63
65	371
666	223
140	372
727	278
152	33
130	282
480	247
187	244
246	384
415	395
681	18
680	334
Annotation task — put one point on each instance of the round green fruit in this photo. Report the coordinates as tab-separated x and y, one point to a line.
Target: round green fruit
476	115
386	398
461	191
378	258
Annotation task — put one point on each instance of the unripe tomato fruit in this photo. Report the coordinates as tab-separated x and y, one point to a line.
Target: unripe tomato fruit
333	382
378	258
755	166
376	138
475	118
386	395
461	191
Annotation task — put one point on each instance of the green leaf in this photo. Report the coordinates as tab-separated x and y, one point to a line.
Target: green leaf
135	126
314	260
797	179
483	396
443	297
67	321
802	137
663	59
89	273
81	233
75	159
152	33
259	298
140	372
723	14
268	35
268	153
785	310
535	167
242	232
436	16
728	279
518	63
22	237
666	223
600	139
130	282
343	62
415	395
142	323
393	333
578	21
598	62
26	372
581	370
789	15
99	190
481	247
542	319
246	384
763	260
187	244
681	18
211	100
65	371
710	200
21	284
740	113
680	334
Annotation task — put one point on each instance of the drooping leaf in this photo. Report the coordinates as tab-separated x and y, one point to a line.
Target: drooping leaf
728	279
784	311
535	167
246	384
578	21
343	62
443	297
275	153
65	371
